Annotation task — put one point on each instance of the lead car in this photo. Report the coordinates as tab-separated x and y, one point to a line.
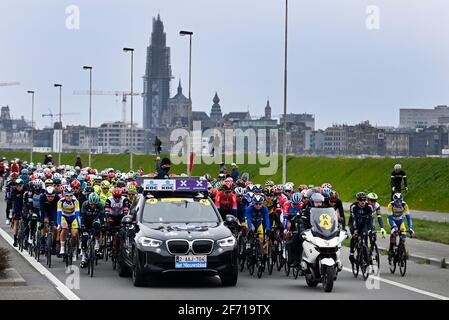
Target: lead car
175	228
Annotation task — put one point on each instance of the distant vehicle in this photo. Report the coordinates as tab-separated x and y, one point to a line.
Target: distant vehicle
174	227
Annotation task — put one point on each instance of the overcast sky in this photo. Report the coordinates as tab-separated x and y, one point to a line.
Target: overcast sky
339	69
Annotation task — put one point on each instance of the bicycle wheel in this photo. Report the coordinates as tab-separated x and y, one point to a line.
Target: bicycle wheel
20	237
375	258
402	259
286	265
38	245
271	257
49	247
260	261
364	262
355	263
280	257
295	272
92	257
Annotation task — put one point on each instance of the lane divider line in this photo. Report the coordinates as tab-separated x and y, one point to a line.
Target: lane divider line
406	287
62	288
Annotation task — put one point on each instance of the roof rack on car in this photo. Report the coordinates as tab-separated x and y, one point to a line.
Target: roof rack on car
172	185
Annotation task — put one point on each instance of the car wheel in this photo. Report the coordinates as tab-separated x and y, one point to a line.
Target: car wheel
122	268
229	279
137	274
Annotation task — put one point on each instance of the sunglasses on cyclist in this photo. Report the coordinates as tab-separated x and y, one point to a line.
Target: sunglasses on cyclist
257	203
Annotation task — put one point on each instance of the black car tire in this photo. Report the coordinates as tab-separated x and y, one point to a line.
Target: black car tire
122	268
137	275
229	279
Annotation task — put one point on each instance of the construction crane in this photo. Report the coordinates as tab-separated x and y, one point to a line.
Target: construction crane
51	114
124	94
6	84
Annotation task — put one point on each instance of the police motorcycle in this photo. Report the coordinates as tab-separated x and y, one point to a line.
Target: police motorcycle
320	261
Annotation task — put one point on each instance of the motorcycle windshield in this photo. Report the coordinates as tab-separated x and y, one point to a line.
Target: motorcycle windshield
324	221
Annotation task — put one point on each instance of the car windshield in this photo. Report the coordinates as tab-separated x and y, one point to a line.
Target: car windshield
324	221
179	210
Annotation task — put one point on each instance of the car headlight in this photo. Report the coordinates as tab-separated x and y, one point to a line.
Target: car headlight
148	242
227	242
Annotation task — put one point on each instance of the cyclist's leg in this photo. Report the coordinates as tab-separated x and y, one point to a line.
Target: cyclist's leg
63	234
17	216
401	227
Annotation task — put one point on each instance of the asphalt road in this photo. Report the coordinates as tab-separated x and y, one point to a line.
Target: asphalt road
420	282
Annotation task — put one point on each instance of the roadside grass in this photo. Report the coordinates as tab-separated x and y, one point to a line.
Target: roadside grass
427	177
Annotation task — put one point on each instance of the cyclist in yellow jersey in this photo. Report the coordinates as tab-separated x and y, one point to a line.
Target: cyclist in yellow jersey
396	210
105	191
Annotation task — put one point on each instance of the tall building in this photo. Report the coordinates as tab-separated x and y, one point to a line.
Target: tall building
215	114
156	82
177	113
422	118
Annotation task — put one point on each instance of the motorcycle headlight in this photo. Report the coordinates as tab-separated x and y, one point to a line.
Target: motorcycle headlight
227	242
148	242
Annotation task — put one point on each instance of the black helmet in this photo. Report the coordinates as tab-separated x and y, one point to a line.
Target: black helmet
361	196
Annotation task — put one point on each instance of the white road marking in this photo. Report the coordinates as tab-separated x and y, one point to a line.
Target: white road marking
406	287
62	288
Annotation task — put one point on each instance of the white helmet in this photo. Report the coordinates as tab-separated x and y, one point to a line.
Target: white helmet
397	167
289	186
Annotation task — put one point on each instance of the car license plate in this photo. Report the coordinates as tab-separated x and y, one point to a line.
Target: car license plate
186	262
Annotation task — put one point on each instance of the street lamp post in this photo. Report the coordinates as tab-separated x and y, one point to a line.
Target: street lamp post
132	113
189	112
32	125
90	114
56	85
284	158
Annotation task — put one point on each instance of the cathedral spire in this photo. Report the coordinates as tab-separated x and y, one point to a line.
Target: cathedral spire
268	110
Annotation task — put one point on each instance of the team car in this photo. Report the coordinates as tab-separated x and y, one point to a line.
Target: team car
174	227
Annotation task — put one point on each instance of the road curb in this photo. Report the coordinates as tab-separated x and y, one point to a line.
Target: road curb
12	279
423	260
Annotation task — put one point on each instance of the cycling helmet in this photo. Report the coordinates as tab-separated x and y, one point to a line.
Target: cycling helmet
247	183
14	175
80	178
207	176
250	188
333	196
268	190
88	190
258	199
229	180
297	197
57	181
239	191
68	191
111	175
258	188
303	187
317	197
326	185
48	182
75	184
361	196
94	198
50	191
38	184
117	193
19	181
397	167
240	183
277	189
309	193
269	183
304	193
226	187
326	192
372	196
397	197
24	171
132	188
105	184
289	186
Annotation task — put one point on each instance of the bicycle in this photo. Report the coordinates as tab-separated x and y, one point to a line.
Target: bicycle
361	257
91	253
374	255
21	234
113	245
49	243
399	257
253	253
71	248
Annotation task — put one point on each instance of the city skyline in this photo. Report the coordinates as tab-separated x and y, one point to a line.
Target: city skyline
335	63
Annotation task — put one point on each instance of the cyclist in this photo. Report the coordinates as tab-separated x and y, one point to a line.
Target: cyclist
76	186
226	201
396	210
115	208
37	190
92	217
9	187
293	209
241	205
257	217
68	217
288	189
274	209
333	201
372	200
105	192
282	198
49	211
360	221
17	206
397	176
